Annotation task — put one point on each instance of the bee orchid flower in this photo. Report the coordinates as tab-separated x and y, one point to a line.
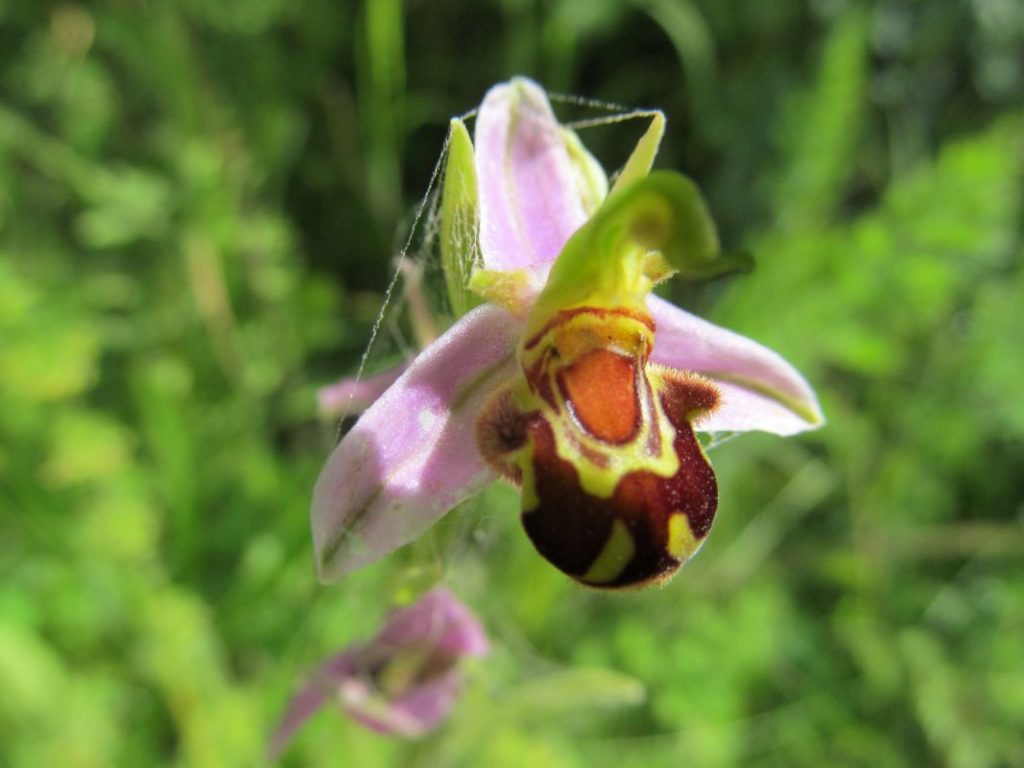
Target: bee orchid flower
404	681
564	374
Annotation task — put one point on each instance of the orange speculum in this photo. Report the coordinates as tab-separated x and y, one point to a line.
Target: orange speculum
617	492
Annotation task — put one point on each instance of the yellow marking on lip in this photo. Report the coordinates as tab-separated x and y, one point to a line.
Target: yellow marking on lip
614	558
681	541
528	492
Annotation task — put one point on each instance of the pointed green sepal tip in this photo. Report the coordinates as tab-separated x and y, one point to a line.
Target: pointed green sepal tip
642	158
460	220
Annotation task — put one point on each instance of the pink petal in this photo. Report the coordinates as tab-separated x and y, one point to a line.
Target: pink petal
351	395
437	625
412	456
439	620
760	390
420	709
428	704
319	689
529	200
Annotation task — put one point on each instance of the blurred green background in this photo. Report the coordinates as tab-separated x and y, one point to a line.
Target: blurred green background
200	202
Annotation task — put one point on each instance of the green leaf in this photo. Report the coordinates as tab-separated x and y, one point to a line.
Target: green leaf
87	446
824	128
573	690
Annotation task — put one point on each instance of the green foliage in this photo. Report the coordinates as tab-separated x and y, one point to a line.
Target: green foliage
198	206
